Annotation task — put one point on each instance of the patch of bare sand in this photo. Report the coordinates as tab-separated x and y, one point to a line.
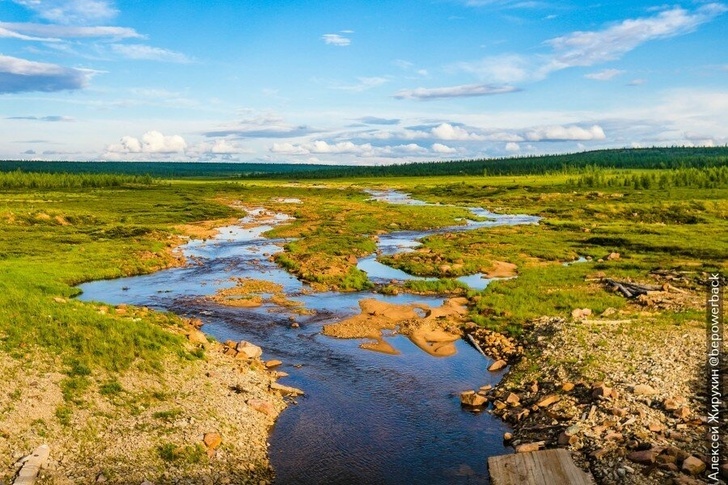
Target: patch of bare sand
251	293
205	229
501	269
433	330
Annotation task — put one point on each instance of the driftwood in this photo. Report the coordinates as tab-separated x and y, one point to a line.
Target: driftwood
631	290
475	344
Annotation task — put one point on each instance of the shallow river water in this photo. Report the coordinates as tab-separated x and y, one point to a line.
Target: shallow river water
366	417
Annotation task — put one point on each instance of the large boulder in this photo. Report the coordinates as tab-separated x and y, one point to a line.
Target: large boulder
250	351
472	400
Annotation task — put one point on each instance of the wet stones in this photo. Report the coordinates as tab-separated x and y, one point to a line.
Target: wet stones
248	350
471	399
496	345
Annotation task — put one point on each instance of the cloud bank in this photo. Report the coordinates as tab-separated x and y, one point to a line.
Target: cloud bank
20	75
465	90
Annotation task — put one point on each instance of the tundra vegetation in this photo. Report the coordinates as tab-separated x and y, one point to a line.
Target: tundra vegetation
667	213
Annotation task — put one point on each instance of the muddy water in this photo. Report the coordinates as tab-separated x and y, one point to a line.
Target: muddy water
366	417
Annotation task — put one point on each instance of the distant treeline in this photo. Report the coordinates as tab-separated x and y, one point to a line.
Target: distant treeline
640	158
158	169
18	179
703	178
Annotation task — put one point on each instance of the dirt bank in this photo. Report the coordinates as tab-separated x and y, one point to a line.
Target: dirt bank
624	394
205	421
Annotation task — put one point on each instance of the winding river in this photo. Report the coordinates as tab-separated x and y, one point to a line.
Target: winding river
366	417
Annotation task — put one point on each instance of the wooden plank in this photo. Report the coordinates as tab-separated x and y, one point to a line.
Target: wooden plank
32	465
546	467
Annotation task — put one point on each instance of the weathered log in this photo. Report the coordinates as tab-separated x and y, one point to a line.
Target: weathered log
631	290
475	344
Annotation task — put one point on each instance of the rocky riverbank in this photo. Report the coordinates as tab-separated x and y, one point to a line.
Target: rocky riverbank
626	396
202	421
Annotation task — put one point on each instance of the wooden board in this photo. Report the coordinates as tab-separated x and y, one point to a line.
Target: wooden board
547	467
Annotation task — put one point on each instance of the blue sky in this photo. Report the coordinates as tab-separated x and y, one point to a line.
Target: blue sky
359	82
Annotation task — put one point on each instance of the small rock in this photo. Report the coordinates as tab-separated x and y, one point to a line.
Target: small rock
197	338
548	401
295	325
645	457
513	399
682	413
471	399
507	437
620	412
609	312
693	466
643	390
249	351
262	406
529	447
212	440
100	478
612	256
580	313
497	365
601	391
656	427
566	439
285	390
273	363
666	458
670	404
567	387
599	454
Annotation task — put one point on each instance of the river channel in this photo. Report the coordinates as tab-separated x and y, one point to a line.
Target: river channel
366	417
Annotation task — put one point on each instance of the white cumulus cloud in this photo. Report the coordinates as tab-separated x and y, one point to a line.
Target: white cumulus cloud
444	149
151	143
565	133
446	131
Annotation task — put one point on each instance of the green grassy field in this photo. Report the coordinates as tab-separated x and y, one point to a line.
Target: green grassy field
61	230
